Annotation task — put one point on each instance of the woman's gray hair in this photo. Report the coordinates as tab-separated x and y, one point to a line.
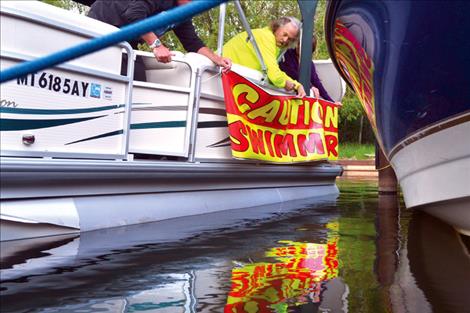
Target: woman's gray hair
283	21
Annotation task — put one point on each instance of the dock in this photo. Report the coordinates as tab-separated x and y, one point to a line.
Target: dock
359	168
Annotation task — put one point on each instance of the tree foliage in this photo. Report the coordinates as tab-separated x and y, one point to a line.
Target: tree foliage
69	5
259	13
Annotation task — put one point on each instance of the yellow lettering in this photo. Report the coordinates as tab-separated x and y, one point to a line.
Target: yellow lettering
306	112
331	117
317	112
284	118
294	113
268	111
251	95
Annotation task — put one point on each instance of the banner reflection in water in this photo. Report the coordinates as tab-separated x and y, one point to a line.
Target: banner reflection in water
295	278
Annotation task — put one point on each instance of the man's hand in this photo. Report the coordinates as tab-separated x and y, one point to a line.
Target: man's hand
162	54
225	63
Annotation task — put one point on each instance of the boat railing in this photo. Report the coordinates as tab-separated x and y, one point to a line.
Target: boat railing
30	65
119	38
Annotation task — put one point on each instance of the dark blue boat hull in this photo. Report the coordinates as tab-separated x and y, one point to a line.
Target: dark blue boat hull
413	73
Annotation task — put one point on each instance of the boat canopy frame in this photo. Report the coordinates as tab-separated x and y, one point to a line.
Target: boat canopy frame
307	10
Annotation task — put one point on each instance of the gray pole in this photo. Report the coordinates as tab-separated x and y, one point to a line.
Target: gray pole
220	37
307	9
251	38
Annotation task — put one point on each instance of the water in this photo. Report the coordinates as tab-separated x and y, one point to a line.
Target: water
359	253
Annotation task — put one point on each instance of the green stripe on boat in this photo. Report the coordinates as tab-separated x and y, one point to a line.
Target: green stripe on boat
114	133
7	124
59	111
170	124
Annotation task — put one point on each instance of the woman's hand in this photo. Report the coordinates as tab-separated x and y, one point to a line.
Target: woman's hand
315	92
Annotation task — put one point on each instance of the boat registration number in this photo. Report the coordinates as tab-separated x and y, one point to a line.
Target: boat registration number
49	81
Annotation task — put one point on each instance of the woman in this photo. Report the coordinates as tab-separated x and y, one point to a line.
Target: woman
290	65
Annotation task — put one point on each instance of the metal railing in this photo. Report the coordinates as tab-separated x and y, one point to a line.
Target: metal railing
135	30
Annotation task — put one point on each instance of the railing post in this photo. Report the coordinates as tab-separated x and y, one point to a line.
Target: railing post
128	108
220	37
195	116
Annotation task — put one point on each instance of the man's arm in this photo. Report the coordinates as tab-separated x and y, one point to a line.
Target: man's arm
192	43
225	63
161	53
141	9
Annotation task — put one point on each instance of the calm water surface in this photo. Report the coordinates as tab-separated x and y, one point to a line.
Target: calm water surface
357	253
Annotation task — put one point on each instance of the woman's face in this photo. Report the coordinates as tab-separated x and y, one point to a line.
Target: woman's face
285	35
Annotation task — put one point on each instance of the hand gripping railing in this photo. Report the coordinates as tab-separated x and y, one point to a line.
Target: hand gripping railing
129	32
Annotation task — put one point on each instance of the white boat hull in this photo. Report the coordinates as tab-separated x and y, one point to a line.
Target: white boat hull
42	198
443	158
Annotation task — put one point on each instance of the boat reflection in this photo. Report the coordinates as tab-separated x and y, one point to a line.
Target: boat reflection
172	265
426	270
315	257
439	259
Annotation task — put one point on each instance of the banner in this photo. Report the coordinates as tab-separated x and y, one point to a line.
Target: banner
275	128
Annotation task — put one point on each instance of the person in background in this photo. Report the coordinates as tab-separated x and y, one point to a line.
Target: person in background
123	12
282	33
290	65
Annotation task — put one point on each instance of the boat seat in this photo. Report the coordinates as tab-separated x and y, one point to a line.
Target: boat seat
330	78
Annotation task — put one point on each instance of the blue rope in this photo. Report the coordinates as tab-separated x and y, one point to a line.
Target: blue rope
129	32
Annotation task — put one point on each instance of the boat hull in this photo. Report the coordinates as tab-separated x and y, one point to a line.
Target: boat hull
409	67
85	148
41	198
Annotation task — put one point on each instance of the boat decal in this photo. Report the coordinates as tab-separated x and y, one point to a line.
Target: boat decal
15	125
212	124
60	111
222	143
213	111
168	124
113	133
433	128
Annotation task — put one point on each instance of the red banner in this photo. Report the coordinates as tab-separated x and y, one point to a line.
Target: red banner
276	128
